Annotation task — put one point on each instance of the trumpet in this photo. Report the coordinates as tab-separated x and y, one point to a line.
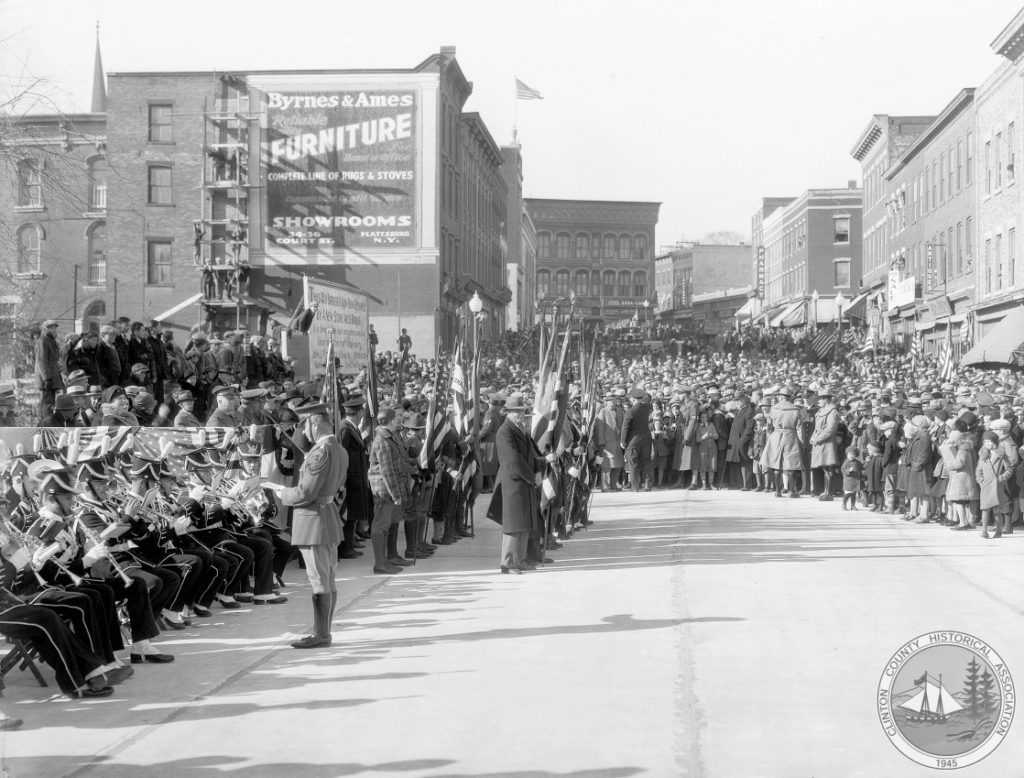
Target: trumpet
39	550
99	541
24	549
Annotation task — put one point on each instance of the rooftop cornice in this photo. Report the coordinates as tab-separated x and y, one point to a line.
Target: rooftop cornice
1009	42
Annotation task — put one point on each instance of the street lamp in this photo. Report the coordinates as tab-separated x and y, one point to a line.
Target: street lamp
814	298
840	302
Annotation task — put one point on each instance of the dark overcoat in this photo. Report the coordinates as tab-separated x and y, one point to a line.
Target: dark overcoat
358	497
740	435
518	464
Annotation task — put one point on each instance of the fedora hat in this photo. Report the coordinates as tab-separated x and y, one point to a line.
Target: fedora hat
515	402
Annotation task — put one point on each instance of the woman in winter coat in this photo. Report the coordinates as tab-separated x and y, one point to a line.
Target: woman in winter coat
992	473
960	461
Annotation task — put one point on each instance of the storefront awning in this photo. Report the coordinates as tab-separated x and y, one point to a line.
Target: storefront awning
179	307
858	307
751	309
1003	345
792	315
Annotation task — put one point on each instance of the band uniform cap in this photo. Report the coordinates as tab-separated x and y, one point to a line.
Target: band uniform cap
312	409
38	468
57	482
249	453
50	323
253	394
197	460
516	402
142	466
65	402
93	469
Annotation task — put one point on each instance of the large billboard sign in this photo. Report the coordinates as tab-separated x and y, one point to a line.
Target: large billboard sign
340	169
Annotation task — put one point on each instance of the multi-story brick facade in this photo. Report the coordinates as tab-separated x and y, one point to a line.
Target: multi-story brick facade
374	180
599	250
929	227
999	278
812	247
699	271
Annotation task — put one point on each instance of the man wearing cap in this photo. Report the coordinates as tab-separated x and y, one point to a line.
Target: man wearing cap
684	434
107	358
1006	445
225	414
47	368
64	413
159	363
636	441
516	494
389	482
358	505
316	522
741	433
140	376
492	421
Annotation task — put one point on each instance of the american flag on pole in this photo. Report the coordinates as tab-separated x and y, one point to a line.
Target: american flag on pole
823	342
459	391
915	349
523	92
946	367
869	342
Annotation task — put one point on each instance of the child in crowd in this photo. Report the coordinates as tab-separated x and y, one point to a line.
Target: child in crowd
757	444
707	448
852	472
662	452
874	483
992	473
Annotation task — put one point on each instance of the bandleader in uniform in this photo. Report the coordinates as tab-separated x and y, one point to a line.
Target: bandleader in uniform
317	528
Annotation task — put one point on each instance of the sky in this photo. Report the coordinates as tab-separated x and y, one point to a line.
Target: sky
705	106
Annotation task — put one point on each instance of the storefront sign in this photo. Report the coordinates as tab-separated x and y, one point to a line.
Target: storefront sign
901	292
340	169
760	272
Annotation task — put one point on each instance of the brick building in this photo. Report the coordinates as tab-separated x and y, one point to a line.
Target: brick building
812	246
371	179
600	250
696	271
929	226
521	242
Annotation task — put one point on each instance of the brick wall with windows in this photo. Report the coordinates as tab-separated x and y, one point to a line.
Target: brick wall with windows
156	159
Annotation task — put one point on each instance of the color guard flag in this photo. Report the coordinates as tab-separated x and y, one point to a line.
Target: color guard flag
523	92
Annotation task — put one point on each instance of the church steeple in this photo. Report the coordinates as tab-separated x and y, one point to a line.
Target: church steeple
99	87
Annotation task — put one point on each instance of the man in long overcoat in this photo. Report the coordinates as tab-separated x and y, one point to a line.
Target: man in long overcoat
316	522
358	497
824	448
782	452
606	439
518	479
48	378
741	433
685	442
492	421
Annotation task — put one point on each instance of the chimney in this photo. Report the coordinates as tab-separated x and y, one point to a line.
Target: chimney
448	51
851	184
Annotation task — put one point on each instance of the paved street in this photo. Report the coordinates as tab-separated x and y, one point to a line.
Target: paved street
684	634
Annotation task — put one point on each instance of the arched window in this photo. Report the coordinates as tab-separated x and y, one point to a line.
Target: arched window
98	184
582	246
30	184
562	245
581	284
608	247
96	261
640	247
625	247
544	245
595	284
543	283
95	315
624	283
561	282
640	283
595	246
30	238
608	283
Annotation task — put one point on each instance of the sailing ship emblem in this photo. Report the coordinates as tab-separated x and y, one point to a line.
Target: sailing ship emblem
946	699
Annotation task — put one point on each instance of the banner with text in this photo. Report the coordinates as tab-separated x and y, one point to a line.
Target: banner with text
341	170
342	316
